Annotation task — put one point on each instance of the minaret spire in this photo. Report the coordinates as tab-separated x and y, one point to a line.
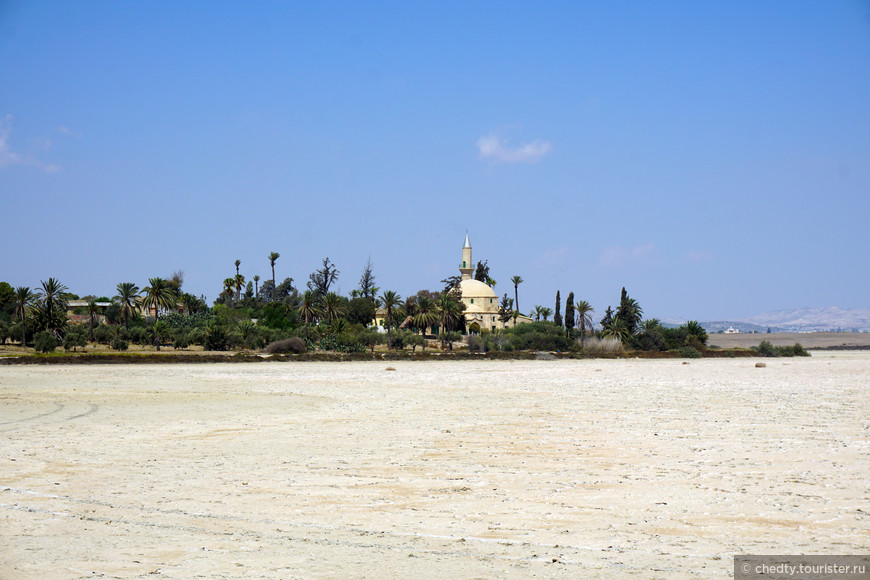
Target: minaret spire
466	269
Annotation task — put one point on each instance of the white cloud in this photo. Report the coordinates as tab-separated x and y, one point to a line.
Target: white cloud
9	157
68	131
615	256
497	149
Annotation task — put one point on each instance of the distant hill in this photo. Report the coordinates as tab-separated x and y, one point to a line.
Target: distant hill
830	319
815	319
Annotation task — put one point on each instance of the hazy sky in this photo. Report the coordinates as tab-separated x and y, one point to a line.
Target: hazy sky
712	157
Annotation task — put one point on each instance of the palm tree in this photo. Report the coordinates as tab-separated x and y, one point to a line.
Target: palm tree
308	307
546	311
240	283
583	311
424	315
158	295
191	303
448	314
391	300
23	298
159	331
53	297
651	324
238	263
229	288
127	297
256	285
247	329
616	329
630	312
273	257
517	280
93	310
332	307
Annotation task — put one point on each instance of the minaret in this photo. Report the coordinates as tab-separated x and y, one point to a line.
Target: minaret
466	268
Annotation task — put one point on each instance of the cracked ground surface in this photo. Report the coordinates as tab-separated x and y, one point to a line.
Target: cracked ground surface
509	469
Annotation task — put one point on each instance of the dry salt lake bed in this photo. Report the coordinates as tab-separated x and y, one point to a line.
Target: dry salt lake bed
490	469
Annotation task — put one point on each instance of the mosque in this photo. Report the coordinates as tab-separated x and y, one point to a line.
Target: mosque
480	300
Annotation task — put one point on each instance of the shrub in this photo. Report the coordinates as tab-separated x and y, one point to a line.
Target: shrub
799	350
689	352
216	337
766	349
371	338
537	336
119	344
651	340
595	346
475	343
73	339
140	336
398	341
103	334
45	342
180	341
293	345
344	342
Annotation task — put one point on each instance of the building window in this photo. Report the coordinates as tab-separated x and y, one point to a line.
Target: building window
472	300
463	264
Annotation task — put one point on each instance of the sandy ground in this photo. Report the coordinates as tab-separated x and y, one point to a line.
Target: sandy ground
808	340
556	469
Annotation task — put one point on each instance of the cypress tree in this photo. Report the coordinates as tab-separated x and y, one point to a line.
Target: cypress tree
557	317
569	314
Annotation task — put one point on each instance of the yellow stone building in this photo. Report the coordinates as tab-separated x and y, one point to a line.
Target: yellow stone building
480	300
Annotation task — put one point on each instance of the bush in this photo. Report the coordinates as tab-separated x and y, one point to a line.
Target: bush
45	342
293	345
476	343
74	338
181	341
537	336
398	341
651	340
119	344
595	346
371	338
216	337
344	342
689	352
103	334
766	349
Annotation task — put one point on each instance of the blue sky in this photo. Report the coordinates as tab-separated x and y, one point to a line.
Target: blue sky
711	157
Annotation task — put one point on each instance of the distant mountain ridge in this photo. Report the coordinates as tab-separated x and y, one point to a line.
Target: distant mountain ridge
831	318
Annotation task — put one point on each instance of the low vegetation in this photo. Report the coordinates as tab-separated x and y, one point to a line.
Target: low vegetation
278	318
768	350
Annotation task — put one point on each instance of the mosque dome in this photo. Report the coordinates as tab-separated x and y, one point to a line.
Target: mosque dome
475	289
